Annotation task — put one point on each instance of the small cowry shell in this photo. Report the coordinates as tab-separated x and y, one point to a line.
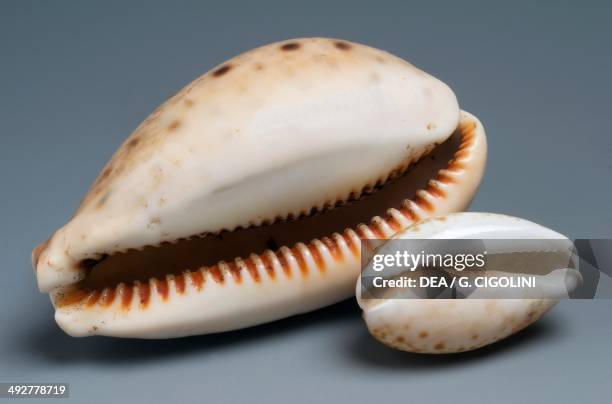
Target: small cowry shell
448	326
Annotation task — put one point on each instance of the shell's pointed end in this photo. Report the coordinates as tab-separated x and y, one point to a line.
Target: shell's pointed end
54	268
36	252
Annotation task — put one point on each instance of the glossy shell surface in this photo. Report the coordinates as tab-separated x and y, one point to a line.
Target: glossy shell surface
276	133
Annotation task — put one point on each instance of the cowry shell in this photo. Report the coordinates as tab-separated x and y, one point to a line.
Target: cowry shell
457	325
275	133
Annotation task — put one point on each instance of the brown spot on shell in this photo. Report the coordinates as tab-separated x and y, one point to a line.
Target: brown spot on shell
474	337
105	174
133	142
259	66
188	103
291	46
423	334
102	200
174	125
342	45
380	333
222	70
439	346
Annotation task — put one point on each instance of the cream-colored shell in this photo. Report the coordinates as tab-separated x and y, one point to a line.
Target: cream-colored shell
278	130
446	326
272	133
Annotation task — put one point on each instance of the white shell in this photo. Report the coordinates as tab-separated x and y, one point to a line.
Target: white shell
445	326
272	133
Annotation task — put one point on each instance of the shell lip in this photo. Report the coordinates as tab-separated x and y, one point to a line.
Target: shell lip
66	293
423	202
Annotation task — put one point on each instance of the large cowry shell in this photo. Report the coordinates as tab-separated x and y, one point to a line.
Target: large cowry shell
234	147
446	326
271	133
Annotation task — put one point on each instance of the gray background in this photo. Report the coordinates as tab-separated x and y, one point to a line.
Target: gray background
77	77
